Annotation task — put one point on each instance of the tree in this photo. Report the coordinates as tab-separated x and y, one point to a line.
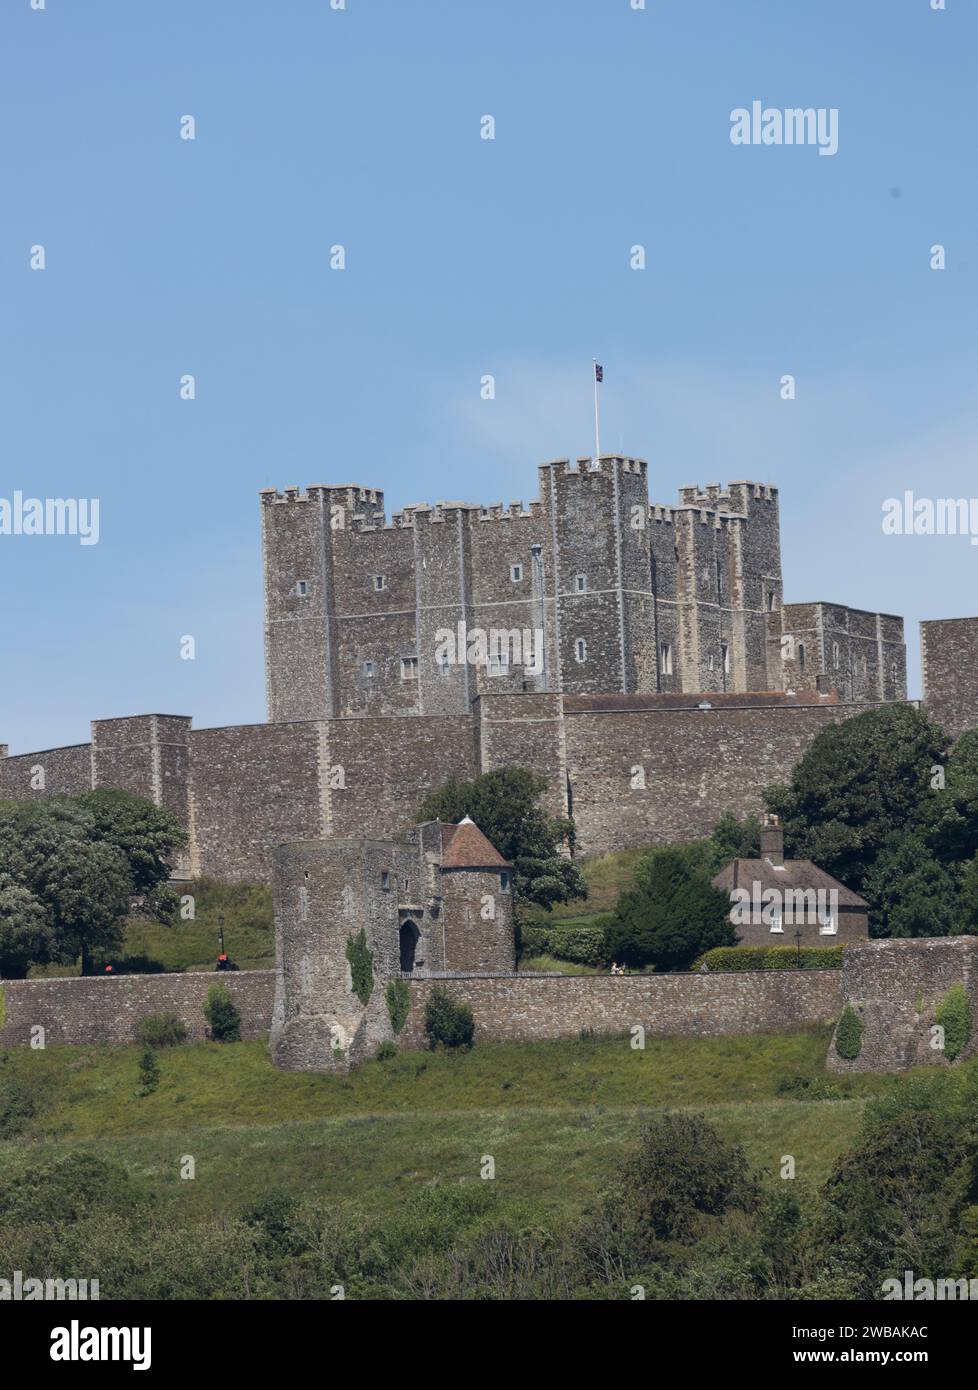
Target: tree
146	833
503	806
672	914
682	1171
736	839
879	802
81	860
26	935
895	1201
858	788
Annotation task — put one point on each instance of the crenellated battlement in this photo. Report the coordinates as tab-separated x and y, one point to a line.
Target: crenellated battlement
627	595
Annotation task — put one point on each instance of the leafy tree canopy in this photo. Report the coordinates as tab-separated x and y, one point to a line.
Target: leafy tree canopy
503	805
69	869
673	913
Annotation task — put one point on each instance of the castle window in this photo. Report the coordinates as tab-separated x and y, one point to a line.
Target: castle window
711	661
504	882
385	881
801	656
775	919
893	673
827	925
835	655
444	665
771	600
665	657
369	670
580	650
516	573
725	657
499	663
380	581
301	588
409	668
580	583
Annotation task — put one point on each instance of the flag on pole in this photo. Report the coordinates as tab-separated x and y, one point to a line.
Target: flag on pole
598	372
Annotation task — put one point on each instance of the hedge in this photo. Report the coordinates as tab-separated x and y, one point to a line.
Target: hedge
583	945
726	958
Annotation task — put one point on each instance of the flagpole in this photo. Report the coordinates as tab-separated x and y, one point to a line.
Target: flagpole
597	427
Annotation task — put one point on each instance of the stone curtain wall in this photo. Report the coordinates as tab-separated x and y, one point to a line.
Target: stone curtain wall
507	1008
103	1009
513	1008
949	663
896	987
696	765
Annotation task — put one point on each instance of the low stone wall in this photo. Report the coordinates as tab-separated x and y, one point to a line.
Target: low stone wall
896	987
508	1008
107	1009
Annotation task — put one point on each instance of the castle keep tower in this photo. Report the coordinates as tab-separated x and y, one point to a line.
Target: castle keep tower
588	590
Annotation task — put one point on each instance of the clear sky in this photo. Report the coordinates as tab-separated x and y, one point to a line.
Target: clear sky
465	257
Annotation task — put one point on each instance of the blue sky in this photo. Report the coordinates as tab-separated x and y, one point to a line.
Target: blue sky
464	257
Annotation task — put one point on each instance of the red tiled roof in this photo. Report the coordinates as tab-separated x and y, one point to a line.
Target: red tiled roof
464	846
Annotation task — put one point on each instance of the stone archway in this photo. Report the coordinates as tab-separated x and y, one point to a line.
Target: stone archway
409	937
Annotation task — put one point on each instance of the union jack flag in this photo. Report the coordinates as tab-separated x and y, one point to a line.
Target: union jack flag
598	372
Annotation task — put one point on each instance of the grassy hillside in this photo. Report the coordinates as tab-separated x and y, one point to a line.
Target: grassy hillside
193	944
607	876
556	1116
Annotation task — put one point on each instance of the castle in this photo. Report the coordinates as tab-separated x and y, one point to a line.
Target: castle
638	656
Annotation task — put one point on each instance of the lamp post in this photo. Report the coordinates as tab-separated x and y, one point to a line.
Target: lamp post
798	945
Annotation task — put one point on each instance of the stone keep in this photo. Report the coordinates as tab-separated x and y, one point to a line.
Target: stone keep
618	596
437	902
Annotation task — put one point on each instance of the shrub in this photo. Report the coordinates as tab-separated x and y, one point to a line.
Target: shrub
161	1030
954	1016
683	1170
361	966
386	1051
728	958
149	1072
448	1021
398	1003
849	1034
583	945
17	1107
221	1013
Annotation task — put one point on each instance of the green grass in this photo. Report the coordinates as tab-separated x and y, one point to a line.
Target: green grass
560	967
556	1116
607	875
192	945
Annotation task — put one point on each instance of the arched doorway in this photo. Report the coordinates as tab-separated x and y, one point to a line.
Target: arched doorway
409	942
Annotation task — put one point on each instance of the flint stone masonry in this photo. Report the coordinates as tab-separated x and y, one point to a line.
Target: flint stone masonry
103	1009
521	1008
896	987
949	666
